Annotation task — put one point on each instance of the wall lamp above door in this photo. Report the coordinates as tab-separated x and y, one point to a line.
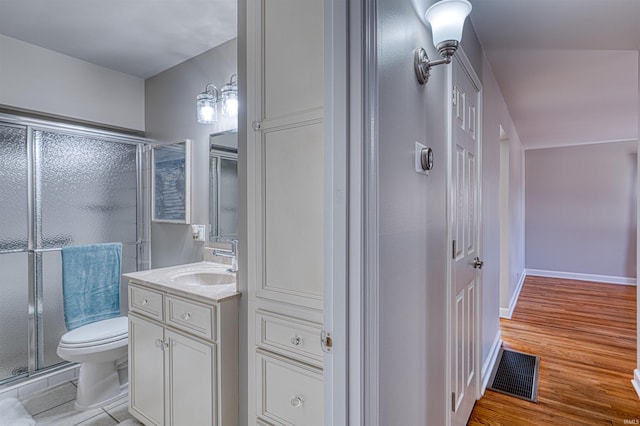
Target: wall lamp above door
447	21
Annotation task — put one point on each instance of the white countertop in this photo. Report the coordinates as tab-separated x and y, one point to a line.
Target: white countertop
161	279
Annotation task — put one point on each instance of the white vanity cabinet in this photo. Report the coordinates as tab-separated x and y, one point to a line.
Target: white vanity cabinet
183	358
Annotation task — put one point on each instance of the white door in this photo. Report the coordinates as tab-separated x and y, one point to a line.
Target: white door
465	262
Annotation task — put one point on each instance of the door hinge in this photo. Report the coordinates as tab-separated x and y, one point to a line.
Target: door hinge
453	249
453	402
326	341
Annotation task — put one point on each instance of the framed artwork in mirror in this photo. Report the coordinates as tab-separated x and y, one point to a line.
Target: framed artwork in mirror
171	182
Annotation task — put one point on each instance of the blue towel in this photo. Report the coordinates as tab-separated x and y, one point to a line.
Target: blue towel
91	283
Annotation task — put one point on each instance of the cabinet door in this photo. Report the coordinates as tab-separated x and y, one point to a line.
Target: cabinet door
146	367
190	381
291	148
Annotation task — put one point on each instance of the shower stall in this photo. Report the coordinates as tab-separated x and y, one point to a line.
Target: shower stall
60	185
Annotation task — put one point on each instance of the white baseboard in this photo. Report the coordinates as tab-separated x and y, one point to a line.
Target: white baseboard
489	363
583	277
636	381
508	312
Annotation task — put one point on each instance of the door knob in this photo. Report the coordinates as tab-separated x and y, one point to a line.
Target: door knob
477	263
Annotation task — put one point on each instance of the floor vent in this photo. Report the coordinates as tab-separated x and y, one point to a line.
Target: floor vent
516	374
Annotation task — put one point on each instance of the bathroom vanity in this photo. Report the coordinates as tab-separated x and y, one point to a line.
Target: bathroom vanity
183	345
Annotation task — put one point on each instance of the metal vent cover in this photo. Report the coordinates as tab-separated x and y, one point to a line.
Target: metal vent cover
516	374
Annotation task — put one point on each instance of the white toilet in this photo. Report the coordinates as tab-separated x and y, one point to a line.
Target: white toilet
101	350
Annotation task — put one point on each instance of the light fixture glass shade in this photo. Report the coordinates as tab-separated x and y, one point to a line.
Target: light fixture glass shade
447	19
207	108
230	104
229	95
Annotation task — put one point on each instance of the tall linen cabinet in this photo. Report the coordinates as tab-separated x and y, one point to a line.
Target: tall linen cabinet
285	167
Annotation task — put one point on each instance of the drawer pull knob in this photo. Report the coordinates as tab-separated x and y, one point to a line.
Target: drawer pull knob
296	340
296	401
144	302
186	316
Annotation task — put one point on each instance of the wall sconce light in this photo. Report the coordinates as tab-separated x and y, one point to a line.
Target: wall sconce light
229	94
447	21
207	105
207	101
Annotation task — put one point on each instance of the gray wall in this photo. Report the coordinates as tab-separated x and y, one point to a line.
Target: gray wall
495	114
581	209
171	117
413	216
412	221
45	82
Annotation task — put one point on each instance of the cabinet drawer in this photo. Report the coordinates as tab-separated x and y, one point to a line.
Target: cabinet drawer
289	336
146	302
289	393
193	317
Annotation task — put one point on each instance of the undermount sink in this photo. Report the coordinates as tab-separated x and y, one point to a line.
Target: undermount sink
203	278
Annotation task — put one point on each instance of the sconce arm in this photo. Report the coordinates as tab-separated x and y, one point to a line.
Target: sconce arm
212	90
423	65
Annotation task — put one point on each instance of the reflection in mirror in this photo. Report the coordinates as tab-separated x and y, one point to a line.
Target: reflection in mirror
223	184
171	172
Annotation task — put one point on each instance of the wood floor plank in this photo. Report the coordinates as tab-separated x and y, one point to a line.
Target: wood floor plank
585	335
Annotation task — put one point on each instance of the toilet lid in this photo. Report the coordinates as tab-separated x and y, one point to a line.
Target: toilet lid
108	330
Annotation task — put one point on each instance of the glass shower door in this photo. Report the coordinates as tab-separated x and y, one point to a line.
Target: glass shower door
85	193
14	256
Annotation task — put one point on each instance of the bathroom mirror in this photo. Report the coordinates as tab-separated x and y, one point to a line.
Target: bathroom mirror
171	182
223	186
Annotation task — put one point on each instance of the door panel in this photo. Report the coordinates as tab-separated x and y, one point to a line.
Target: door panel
14	289
465	233
190	380
146	381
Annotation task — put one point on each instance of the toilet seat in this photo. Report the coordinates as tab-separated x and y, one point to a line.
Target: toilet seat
97	333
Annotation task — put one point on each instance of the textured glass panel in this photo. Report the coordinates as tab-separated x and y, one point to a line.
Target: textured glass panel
85	190
14	315
51	317
13	188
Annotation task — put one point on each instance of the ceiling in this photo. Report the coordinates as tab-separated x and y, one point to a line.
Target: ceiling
568	69
137	37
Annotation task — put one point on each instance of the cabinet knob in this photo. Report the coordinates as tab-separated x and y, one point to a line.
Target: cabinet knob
159	344
144	302
296	340
186	316
297	401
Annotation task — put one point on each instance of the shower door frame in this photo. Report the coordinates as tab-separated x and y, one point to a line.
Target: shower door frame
35	279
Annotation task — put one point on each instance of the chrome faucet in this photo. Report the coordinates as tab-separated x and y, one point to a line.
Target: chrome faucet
233	255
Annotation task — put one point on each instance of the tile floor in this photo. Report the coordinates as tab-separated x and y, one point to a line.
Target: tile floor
54	406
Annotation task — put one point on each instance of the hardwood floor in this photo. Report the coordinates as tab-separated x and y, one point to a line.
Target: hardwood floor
585	335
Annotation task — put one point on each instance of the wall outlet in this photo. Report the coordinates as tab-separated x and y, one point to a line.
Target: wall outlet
199	232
